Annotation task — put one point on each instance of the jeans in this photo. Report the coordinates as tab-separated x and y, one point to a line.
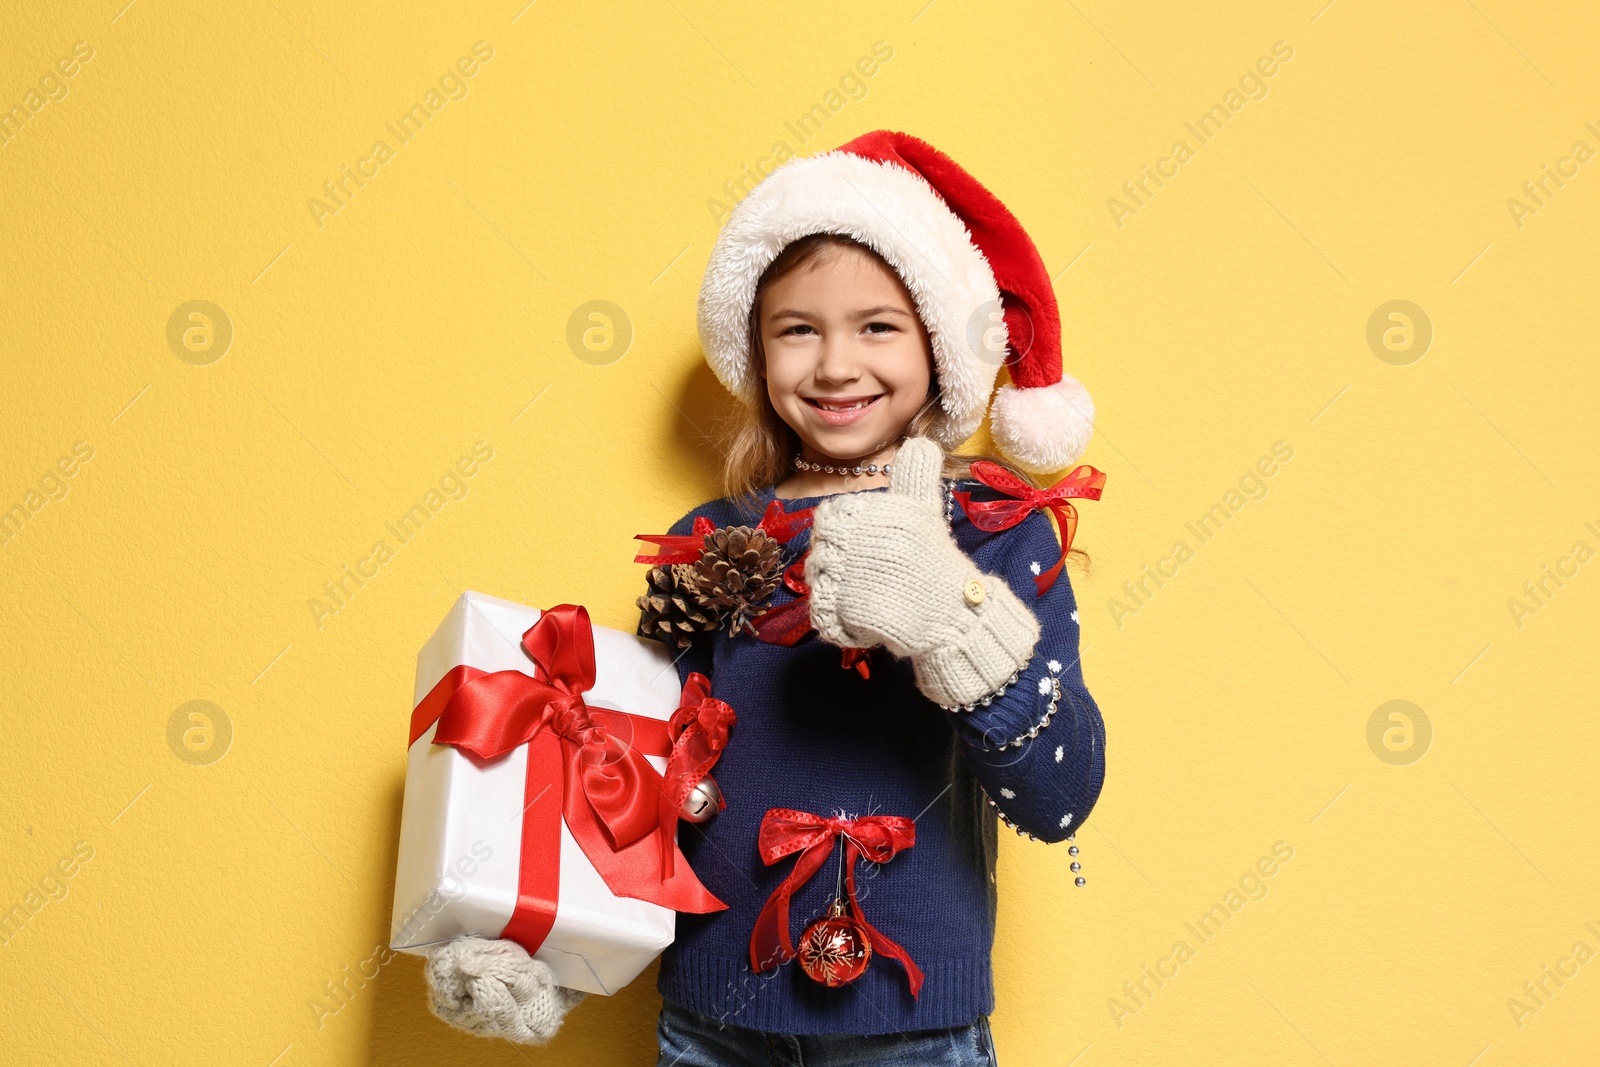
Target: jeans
689	1039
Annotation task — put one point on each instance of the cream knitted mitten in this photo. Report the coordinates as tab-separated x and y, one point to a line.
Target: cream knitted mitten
884	570
495	989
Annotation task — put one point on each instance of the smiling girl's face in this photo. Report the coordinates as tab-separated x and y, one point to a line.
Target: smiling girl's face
848	363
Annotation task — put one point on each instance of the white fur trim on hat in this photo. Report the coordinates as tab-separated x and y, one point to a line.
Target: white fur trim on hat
895	213
1043	429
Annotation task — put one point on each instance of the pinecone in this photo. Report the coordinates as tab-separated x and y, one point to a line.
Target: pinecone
738	569
671	610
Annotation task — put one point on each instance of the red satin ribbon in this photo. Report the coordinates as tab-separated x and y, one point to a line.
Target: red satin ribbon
776	523
859	658
788	623
609	796
699	733
992	515
783	831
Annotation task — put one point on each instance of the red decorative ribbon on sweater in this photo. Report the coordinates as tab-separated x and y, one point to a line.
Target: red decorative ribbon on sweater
610	795
782	625
992	515
859	658
788	623
776	523
699	733
783	831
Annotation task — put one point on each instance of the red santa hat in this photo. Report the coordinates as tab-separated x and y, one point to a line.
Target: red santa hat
975	276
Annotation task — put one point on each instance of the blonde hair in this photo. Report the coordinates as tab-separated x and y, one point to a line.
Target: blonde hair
758	447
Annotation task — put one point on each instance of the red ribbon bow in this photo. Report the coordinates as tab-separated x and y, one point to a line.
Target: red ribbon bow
699	733
610	795
992	515
776	523
783	831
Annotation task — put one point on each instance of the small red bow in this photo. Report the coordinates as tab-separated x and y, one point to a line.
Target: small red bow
776	523
992	515
784	831
699	732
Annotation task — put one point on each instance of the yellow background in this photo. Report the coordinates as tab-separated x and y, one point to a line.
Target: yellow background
370	351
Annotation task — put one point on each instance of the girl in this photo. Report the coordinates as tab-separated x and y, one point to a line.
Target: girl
914	677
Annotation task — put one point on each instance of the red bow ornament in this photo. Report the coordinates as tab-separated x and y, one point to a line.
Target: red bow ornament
993	515
785	831
610	795
699	733
776	523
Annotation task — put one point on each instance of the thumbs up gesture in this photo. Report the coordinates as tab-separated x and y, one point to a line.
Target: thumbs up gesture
884	570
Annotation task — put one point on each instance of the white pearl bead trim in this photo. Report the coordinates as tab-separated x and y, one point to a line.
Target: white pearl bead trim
1072	848
1033	731
871	468
984	702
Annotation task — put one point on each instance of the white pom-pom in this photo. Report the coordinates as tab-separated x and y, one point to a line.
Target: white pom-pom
1044	429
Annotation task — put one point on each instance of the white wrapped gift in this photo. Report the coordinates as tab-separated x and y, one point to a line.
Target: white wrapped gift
461	860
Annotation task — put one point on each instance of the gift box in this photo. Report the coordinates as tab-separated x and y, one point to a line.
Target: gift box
547	764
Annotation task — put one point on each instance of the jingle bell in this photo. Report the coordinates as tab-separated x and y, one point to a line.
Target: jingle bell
835	949
703	801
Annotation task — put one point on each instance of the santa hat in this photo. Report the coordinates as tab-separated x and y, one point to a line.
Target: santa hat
975	276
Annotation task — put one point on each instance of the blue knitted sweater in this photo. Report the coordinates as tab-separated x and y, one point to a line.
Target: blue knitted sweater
814	736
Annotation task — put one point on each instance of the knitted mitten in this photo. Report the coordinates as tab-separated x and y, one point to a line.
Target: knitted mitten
495	989
884	569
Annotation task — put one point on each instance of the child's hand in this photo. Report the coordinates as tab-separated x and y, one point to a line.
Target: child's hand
884	569
495	989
